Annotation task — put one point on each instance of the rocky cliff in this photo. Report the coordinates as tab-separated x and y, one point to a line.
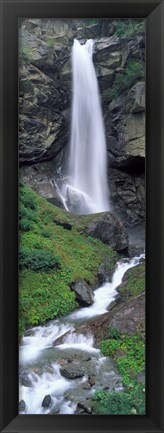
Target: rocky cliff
45	100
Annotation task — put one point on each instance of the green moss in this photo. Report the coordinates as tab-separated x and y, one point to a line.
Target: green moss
44	287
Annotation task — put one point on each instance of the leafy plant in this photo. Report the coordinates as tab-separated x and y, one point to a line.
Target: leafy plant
120	403
114	333
37	259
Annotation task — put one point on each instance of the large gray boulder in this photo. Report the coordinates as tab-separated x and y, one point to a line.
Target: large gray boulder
84	293
110	230
72	372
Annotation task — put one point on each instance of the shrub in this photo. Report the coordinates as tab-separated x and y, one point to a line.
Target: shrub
27	213
120	28
114	333
120	403
37	259
132	358
27	198
25	225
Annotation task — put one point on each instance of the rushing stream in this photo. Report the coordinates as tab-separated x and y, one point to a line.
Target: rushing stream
45	368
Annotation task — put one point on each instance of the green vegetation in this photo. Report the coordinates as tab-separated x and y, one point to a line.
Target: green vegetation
94	20
128	28
128	353
37	259
124	80
52	257
24	55
120	403
134	282
51	42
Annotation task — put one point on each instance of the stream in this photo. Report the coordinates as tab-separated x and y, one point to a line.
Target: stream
60	379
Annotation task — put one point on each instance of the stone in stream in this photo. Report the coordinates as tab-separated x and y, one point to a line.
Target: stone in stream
84	406
84	293
26	381
47	401
72	372
22	406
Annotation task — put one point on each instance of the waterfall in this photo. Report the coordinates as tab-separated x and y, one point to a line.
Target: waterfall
86	190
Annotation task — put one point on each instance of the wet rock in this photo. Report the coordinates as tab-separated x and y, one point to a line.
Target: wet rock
47	401
22	406
25	380
128	317
72	372
55	411
84	293
91	380
110	230
104	274
85	406
113	304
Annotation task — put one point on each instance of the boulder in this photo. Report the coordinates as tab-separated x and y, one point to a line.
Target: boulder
47	401
25	380
85	405
83	292
110	230
22	406
72	372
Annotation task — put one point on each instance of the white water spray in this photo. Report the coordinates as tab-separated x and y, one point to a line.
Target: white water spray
87	191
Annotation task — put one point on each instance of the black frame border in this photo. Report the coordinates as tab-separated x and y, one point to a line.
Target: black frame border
153	12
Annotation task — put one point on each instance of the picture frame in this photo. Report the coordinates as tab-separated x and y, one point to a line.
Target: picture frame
153	12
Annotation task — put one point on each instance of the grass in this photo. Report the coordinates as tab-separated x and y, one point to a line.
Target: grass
51	258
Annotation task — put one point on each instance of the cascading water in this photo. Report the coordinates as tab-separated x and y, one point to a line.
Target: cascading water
87	190
41	354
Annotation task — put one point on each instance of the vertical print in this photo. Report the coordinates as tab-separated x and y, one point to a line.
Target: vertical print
81	216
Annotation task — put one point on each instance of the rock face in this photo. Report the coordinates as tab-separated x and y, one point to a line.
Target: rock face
84	294
45	99
126	153
109	230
